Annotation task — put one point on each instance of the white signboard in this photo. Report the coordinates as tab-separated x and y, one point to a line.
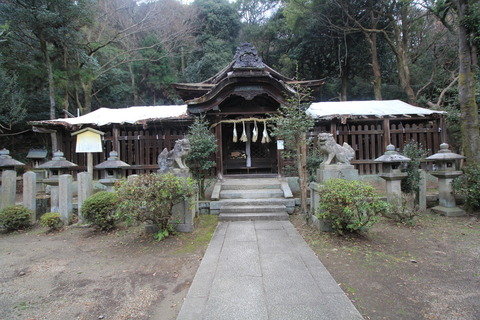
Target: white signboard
89	141
280	145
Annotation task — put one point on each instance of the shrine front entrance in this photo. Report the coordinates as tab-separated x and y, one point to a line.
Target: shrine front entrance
248	148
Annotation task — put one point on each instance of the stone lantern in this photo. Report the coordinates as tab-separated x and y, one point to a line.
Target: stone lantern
9	178
112	170
446	170
7	162
55	168
391	162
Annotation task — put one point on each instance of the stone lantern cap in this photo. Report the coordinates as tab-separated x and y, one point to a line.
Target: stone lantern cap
391	156
445	154
7	161
58	162
113	162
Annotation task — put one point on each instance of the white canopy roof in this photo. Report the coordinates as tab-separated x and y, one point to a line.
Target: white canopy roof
329	110
105	116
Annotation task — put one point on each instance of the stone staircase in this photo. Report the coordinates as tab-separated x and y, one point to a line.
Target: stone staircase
252	199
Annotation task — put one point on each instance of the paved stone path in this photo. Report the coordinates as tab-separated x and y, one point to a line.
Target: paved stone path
263	270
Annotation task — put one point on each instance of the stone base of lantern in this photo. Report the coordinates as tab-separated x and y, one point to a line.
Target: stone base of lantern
449	212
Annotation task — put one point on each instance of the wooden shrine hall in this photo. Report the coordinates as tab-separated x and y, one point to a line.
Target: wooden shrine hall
238	102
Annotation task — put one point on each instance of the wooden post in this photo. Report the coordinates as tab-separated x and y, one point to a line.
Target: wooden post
386	133
116	140
219	155
90	164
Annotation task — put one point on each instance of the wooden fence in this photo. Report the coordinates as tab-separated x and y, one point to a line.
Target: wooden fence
369	138
136	146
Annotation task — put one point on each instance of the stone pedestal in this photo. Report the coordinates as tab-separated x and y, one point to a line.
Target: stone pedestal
315	189
40	176
8	189
184	213
53	190
336	171
30	193
85	190
65	193
447	205
393	184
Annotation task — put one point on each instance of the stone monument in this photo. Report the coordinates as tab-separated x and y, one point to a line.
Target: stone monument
336	163
173	161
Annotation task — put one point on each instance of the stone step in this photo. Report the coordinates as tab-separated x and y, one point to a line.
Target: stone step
246	184
251	194
252	216
252	208
251	186
216	206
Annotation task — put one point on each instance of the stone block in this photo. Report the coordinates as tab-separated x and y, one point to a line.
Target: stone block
30	193
184	213
9	188
85	190
336	171
65	195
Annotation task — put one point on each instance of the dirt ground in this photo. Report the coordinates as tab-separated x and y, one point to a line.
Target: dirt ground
430	271
81	273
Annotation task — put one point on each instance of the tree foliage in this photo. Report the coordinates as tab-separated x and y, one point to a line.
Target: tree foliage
151	197
292	124
203	145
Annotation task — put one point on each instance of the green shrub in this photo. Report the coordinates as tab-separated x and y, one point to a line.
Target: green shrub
51	220
15	217
100	210
403	209
350	206
416	152
150	198
468	185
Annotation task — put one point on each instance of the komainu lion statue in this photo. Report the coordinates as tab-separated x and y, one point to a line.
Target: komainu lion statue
332	152
174	159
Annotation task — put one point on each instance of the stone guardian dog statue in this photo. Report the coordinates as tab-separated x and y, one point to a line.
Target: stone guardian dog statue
174	159
332	152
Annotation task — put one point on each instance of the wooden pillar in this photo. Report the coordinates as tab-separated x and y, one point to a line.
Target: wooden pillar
333	129
386	133
443	128
219	155
116	139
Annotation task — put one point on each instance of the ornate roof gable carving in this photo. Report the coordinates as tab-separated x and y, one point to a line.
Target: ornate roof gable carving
247	57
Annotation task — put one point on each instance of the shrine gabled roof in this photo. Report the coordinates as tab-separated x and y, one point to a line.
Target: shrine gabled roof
246	67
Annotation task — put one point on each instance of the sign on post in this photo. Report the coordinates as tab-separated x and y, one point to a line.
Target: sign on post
88	141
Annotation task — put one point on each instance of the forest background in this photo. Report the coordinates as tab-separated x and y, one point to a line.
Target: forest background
64	56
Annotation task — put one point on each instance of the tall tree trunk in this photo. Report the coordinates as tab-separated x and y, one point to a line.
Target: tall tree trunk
87	87
302	170
399	47
466	88
133	84
377	74
51	87
344	78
